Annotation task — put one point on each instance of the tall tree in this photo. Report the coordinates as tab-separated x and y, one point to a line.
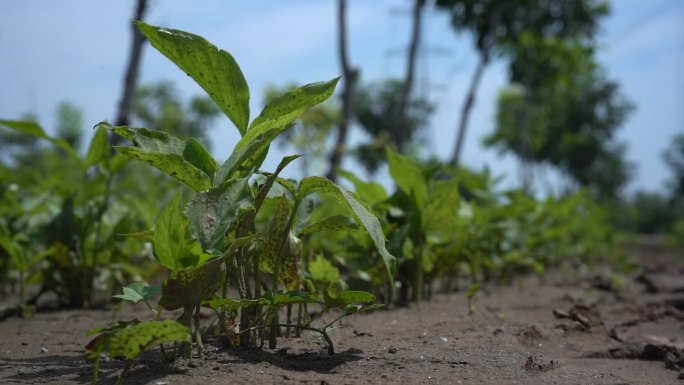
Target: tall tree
402	122
376	112
70	124
132	70
497	27
349	78
674	158
564	113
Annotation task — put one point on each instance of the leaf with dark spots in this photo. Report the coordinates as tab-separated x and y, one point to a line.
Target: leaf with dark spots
214	211
188	287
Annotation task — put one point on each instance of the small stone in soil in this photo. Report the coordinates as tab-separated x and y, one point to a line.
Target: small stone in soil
392	350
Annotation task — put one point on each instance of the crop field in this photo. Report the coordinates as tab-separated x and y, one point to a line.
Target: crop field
146	260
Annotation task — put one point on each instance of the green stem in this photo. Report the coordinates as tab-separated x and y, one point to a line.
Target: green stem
198	334
124	373
98	236
326	337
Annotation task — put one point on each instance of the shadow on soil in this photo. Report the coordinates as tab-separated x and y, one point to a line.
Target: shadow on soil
300	362
51	367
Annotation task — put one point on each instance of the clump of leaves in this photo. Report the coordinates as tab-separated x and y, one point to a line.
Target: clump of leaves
212	238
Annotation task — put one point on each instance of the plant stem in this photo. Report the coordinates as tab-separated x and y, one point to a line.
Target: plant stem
198	334
124	373
326	337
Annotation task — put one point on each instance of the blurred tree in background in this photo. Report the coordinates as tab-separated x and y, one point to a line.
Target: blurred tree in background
158	106
674	158
499	28
70	124
376	111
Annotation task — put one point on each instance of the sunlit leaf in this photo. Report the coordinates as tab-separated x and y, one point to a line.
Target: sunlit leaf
407	174
361	214
188	287
136	292
214	211
215	70
130	342
170	235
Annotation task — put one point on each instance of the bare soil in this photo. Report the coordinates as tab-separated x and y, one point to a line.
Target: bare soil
564	328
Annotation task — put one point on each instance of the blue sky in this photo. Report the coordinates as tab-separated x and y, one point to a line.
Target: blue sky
76	50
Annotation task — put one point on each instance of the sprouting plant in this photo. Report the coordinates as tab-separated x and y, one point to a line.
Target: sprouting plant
216	236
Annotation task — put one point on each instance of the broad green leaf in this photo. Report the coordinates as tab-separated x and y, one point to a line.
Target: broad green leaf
370	192
346	298
322	270
160	142
33	129
361	214
407	174
440	214
285	108
171	164
130	342
290	274
273	250
188	287
215	70
290	297
276	118
214	211
136	292
350	297
334	223
171	243
228	304
242	158
99	150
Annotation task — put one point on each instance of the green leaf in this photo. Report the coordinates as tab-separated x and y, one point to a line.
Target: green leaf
227	304
187	161
99	150
407	173
214	211
276	118
440	213
369	192
322	270
188	287
334	223
346	298
361	214
171	243
33	129
171	164
274	237
130	342
290	297
215	70
136	292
